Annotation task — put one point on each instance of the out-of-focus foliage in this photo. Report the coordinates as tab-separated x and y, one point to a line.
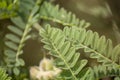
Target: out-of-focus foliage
7	9
103	71
3	75
15	41
60	15
64	44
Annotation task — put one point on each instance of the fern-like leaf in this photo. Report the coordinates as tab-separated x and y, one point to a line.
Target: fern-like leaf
63	44
103	71
66	56
60	15
14	44
3	75
15	40
99	47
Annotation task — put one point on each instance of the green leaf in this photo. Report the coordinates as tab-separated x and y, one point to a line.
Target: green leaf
10	53
11	45
65	48
82	64
22	63
18	22
3	75
34	10
16	71
15	30
93	55
13	38
117	78
116	53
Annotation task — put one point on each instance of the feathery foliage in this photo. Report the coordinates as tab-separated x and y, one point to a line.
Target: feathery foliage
14	44
3	75
7	9
99	47
15	40
67	57
64	44
103	71
60	15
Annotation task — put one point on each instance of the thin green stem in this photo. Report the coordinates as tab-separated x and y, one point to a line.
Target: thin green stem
96	52
92	50
64	61
37	26
56	20
23	38
26	30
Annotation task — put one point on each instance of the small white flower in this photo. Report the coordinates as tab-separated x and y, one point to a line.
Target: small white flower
33	72
45	71
46	64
